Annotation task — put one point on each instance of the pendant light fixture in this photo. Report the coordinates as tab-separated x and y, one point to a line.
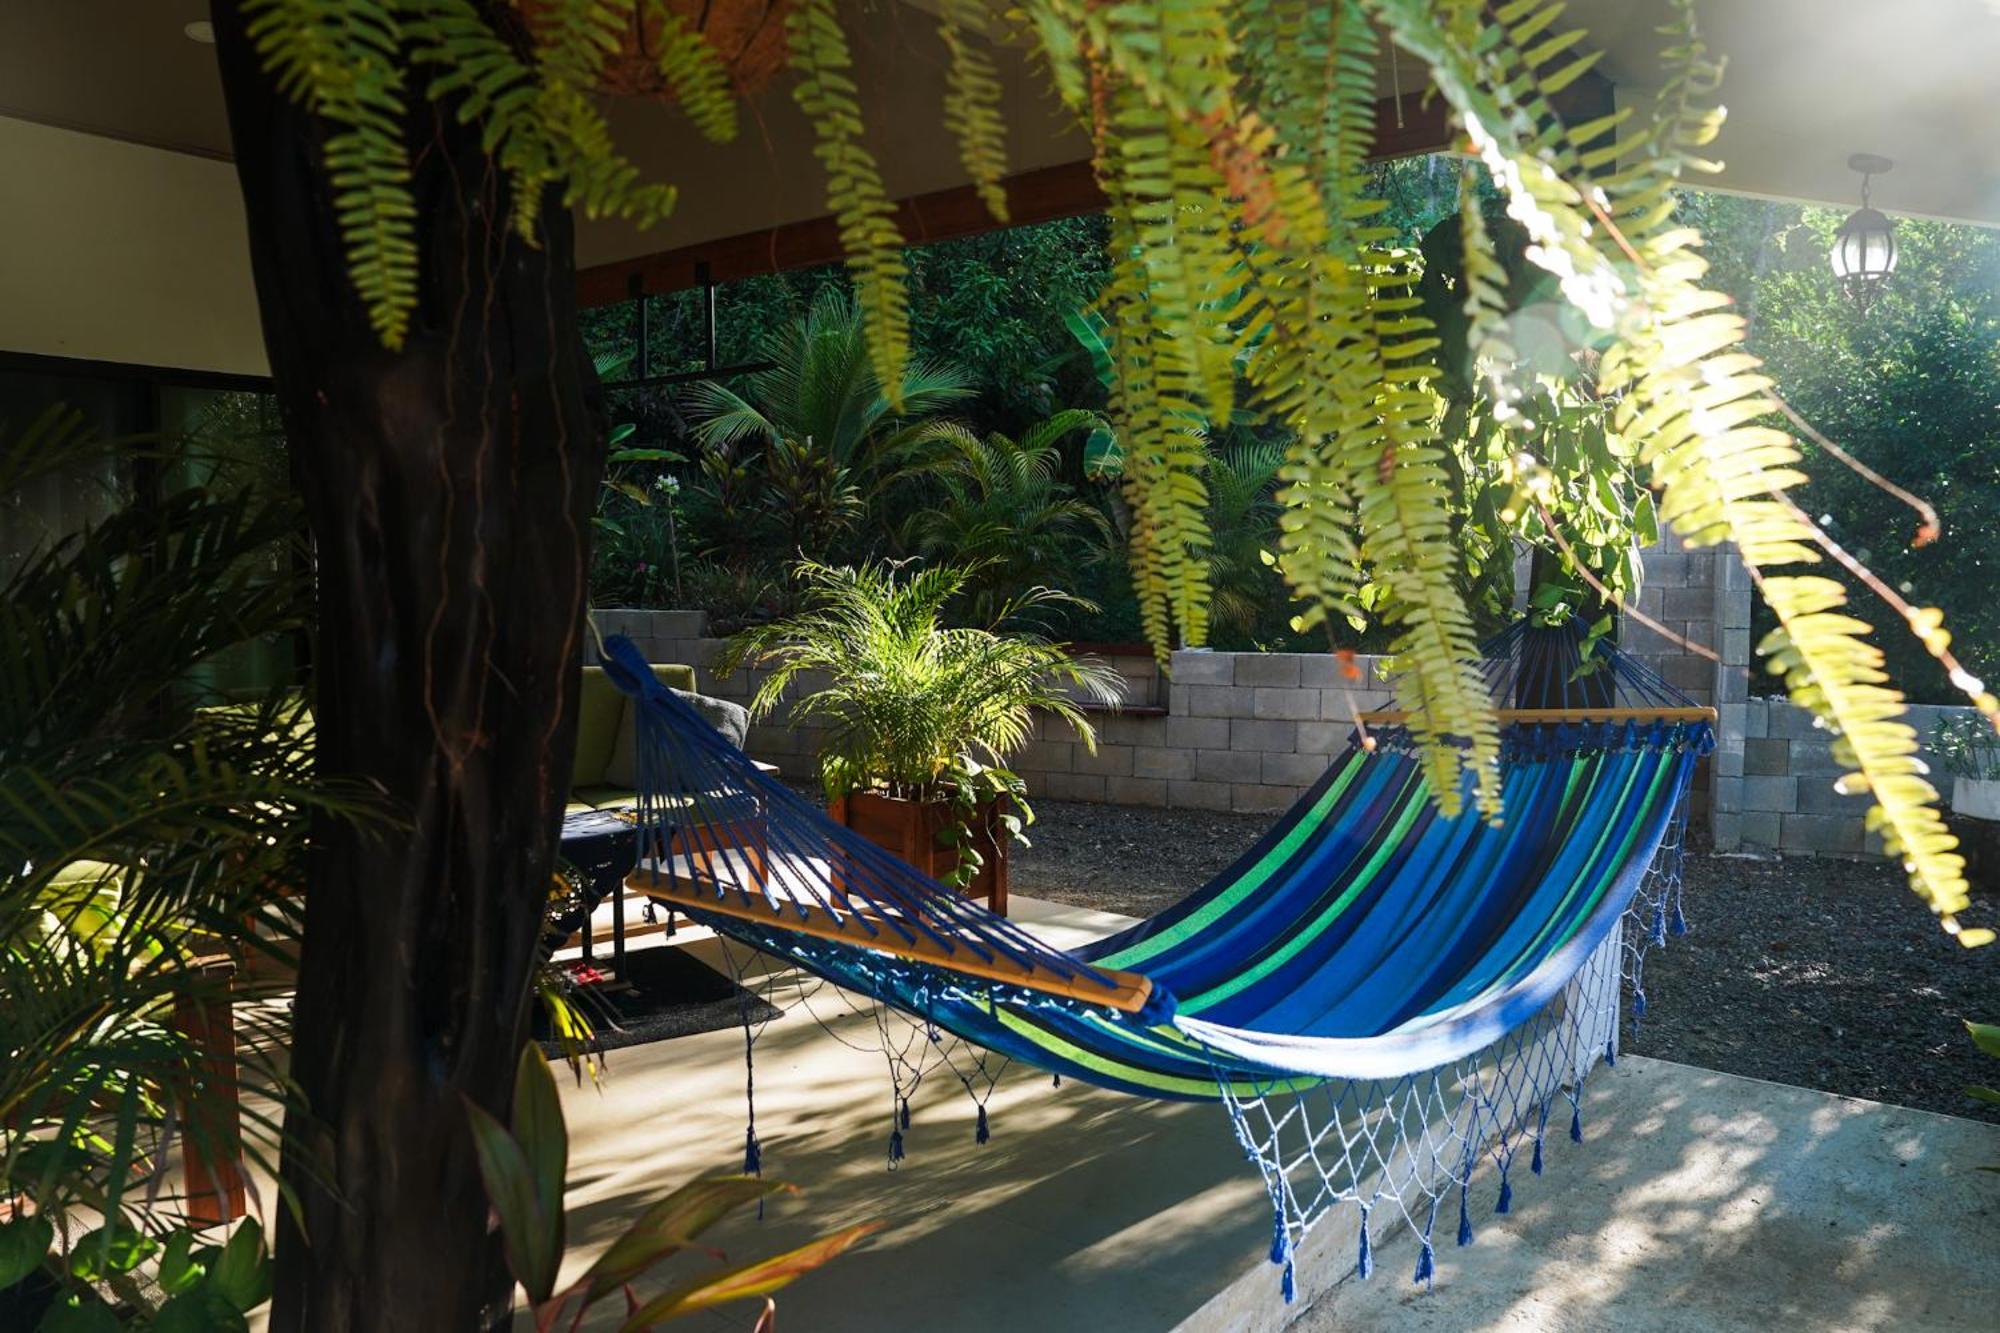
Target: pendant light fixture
1864	249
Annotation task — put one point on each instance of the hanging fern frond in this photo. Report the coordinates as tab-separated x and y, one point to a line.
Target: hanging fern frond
1230	138
972	105
345	66
695	74
826	92
1597	202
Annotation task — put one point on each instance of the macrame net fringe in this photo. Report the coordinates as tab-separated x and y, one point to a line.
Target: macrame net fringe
1403	1151
1445	1147
1412	1151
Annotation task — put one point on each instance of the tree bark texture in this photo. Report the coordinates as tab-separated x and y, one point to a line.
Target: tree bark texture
449	487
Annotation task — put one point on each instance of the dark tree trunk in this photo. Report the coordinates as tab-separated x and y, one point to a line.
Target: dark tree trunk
449	489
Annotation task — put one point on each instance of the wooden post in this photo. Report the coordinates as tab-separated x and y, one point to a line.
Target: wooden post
212	1131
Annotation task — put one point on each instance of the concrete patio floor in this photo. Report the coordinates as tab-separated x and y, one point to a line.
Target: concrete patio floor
1699	1200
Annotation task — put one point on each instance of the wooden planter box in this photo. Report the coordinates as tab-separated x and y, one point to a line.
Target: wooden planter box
909	829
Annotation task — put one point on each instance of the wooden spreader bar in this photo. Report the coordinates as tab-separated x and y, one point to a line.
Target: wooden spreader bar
1392	716
1128	991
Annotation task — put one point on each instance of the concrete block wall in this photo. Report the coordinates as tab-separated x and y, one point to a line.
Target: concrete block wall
1250	731
1769	786
1240	731
1785	799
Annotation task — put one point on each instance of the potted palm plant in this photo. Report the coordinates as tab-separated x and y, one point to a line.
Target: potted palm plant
921	717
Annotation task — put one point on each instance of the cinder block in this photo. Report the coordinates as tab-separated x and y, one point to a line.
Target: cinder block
1109	761
1817	797
1324	738
1279	670
1198	795
1665	568
1726	830
1689	673
1076	787
1835	835
1045	757
1219	700
1756	718
1293	770
1794	723
680	624
1135	791
1728	763
1814	758
1263	734
1342	705
1762	830
1735	647
1320	669
1256	798
1163	762
1779	795
1227	766
1691	601
1134	731
1642	640
1766	757
1198	666
768	739
1732	685
1278	702
1198	733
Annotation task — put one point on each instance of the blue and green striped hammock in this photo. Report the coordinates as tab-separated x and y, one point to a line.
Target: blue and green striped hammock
1371	976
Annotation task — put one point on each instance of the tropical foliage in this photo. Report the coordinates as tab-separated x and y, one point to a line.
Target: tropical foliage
148	827
1907	390
803	457
1231	141
1000	508
914	708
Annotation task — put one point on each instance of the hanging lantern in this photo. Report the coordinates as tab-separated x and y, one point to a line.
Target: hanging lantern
1864	249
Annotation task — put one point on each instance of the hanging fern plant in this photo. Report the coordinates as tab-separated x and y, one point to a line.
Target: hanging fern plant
1230	138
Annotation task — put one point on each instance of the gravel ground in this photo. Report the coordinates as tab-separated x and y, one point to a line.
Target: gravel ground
1822	973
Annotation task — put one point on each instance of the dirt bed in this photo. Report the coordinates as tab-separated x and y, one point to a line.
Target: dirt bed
1822	973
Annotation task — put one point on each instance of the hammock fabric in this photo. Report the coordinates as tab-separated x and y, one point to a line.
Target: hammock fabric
1366	941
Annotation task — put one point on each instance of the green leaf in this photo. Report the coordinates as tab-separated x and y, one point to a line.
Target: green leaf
672	1224
242	1274
202	1310
179	1269
24	1243
85	1312
510	1185
744	1282
112	1248
1986	1036
1984	1094
644	455
539	1129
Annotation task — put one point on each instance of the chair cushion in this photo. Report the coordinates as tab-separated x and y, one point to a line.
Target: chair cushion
731	719
599	709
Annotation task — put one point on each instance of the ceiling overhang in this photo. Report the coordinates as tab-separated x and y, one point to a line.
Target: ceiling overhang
1810	83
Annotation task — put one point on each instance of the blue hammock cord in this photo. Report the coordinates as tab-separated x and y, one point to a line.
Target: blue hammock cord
1366	961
